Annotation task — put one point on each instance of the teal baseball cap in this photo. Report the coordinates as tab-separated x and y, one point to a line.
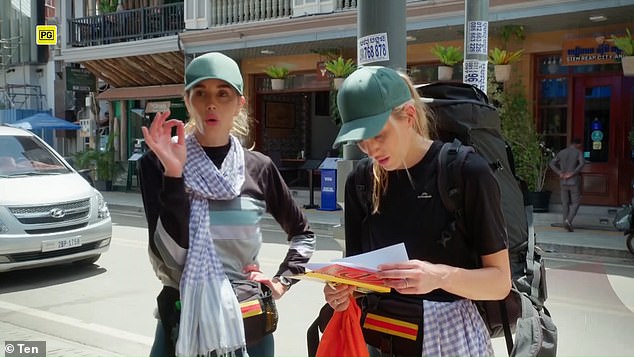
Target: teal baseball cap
213	65
366	100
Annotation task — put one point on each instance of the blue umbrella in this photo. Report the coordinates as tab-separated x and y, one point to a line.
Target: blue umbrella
41	121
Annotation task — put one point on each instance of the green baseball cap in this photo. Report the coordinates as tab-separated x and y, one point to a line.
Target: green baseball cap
213	65
366	100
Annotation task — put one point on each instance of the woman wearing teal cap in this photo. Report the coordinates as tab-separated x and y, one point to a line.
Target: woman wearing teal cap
204	196
383	113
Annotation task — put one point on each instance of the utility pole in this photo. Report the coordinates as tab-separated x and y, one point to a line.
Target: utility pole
381	41
381	33
476	43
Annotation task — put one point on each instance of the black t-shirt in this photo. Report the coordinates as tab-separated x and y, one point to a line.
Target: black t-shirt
412	212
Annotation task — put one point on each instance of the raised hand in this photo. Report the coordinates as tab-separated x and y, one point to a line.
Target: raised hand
159	138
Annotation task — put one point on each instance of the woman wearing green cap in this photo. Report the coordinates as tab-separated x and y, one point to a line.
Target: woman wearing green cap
383	113
204	195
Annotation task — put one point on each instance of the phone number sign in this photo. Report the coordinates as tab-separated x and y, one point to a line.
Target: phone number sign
373	48
475	72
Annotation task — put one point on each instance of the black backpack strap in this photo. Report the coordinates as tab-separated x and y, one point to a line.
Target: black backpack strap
443	176
506	325
312	338
450	181
451	189
362	184
363	188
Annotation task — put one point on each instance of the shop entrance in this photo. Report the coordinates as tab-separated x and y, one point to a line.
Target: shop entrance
598	122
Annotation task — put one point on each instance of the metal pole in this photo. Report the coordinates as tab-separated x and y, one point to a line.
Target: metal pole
381	41
476	45
381	33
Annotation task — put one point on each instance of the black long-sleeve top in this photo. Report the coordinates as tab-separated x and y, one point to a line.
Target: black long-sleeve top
234	223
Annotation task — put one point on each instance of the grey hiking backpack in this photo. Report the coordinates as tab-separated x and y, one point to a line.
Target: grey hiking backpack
523	310
462	114
462	111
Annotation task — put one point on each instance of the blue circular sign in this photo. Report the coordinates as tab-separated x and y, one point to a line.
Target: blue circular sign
597	135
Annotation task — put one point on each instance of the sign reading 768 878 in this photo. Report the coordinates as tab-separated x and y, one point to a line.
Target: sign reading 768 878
373	48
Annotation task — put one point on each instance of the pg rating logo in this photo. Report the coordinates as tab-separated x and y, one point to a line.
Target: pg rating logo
46	34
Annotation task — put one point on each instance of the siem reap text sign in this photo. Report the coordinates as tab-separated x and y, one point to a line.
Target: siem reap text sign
588	51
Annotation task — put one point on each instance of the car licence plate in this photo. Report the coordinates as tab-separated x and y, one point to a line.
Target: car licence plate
57	244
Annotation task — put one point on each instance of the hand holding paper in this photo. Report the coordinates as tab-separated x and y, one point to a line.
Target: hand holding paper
358	270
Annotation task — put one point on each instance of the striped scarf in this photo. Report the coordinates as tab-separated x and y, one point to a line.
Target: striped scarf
211	320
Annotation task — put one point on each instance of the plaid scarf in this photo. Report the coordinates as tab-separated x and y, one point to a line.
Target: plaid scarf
211	320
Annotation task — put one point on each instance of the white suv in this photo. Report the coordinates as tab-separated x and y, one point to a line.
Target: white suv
49	214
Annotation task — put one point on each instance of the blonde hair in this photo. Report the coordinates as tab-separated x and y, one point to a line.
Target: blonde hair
422	126
240	127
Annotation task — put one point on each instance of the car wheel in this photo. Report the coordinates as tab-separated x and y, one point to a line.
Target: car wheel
630	242
88	261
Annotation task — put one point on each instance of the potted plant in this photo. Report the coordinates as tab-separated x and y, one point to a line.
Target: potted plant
107	6
502	60
278	74
341	69
102	161
626	44
530	153
448	56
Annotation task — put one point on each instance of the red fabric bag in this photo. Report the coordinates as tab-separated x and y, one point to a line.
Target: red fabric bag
343	336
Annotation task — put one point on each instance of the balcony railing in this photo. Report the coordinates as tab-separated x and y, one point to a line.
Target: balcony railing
129	25
232	12
165	20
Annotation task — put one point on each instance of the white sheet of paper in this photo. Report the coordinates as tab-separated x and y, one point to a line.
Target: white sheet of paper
371	260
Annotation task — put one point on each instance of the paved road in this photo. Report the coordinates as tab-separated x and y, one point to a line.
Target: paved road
106	309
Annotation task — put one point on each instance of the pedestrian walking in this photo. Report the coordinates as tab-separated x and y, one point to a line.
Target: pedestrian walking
567	164
204	196
383	113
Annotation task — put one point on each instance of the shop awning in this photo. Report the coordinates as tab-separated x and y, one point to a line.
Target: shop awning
147	92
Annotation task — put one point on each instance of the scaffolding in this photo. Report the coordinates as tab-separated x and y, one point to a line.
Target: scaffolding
19	95
6	46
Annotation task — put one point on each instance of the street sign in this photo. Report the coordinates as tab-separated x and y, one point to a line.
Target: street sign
80	79
475	72
373	48
157	107
478	35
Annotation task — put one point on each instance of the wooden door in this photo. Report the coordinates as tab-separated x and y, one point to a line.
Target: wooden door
625	149
597	121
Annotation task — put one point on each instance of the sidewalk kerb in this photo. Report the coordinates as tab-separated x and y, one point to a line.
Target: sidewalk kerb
560	248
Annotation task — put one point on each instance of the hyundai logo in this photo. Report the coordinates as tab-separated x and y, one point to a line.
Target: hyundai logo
57	213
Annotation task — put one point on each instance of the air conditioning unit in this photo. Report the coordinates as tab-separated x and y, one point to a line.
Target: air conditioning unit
309	7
